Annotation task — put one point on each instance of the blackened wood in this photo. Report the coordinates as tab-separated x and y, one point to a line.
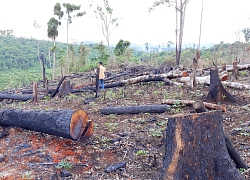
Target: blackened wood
63	123
234	154
35	93
115	76
196	149
43	67
97	82
20	97
65	89
239	162
135	109
235	71
56	90
3	134
217	92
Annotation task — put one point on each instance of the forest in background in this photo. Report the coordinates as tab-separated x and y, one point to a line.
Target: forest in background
20	62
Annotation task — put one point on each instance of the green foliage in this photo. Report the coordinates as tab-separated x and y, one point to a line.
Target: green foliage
142	153
121	47
64	164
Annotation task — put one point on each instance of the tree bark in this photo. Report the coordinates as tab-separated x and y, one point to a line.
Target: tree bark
56	90
217	92
19	97
191	102
233	153
196	149
64	123
135	109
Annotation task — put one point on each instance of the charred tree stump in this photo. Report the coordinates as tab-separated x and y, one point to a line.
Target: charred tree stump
196	149
233	153
64	123
235	71
65	90
217	92
35	93
135	109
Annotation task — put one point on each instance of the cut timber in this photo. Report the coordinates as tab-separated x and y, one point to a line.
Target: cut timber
191	102
64	123
19	97
202	79
217	92
135	109
196	149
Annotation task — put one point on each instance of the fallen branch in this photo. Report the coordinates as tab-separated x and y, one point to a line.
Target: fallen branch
191	102
135	109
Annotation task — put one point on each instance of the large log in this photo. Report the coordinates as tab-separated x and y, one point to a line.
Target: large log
196	149
20	97
135	109
69	124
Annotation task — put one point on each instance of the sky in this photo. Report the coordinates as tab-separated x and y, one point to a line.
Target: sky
222	20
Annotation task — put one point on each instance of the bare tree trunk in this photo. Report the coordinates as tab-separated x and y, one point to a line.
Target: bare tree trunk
200	24
68	45
54	60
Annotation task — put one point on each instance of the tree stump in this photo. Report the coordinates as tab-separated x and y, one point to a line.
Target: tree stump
196	149
217	92
235	71
64	123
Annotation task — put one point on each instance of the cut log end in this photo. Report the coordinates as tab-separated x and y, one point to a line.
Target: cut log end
81	128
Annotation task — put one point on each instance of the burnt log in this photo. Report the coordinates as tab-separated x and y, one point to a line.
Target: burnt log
56	90
196	149
217	93
20	97
135	109
63	123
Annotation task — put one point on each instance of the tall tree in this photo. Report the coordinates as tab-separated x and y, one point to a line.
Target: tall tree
104	14
52	33
37	26
180	9
121	47
71	11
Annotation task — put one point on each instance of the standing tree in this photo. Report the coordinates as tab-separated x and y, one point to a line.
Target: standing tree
121	47
70	9
106	20
180	9
37	26
52	33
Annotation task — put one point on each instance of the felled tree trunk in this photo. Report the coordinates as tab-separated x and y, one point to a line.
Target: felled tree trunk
217	92
135	109
56	90
195	149
20	97
64	123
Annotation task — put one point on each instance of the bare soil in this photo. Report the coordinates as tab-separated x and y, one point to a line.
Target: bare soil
135	139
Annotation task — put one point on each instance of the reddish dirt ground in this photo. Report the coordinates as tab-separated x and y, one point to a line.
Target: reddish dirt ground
134	139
